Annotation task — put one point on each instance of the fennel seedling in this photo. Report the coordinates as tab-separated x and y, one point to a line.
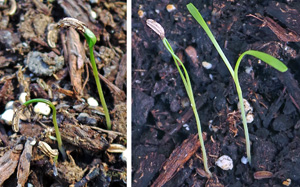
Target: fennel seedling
187	84
58	137
272	61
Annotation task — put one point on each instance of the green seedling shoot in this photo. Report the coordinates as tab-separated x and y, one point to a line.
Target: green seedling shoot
187	84
272	61
58	137
91	40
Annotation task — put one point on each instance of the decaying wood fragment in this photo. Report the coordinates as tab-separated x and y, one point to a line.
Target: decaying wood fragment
84	137
9	162
281	33
76	56
286	14
177	159
121	76
118	94
24	163
292	86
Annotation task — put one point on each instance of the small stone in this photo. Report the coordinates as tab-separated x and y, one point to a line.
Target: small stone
93	14
244	160
9	105
141	13
186	126
225	162
206	65
170	8
22	97
92	101
42	108
44	64
86	119
248	69
7	116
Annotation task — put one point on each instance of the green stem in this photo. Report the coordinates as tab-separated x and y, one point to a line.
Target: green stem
91	40
103	103
187	84
243	114
58	137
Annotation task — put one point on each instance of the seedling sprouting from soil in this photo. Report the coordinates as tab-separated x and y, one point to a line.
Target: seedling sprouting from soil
187	84
272	61
58	137
91	40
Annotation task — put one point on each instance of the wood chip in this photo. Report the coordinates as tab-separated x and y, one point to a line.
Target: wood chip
9	162
177	159
24	163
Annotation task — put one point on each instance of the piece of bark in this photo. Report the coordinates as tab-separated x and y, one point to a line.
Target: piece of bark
83	136
6	92
9	162
292	87
177	159
76	56
273	110
287	15
24	163
121	76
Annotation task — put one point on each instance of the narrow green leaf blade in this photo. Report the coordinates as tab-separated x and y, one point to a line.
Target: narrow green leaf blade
272	61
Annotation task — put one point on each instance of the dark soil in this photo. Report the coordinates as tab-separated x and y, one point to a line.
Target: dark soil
161	114
54	64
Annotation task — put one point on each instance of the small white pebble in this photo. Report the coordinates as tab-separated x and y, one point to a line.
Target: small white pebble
22	97
186	126
225	162
33	142
250	118
9	105
7	116
244	160
93	14
170	8
211	77
124	155
206	65
157	11
92	101
248	69
42	108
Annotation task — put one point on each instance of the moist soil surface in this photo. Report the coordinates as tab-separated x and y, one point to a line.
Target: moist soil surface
40	60
164	150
